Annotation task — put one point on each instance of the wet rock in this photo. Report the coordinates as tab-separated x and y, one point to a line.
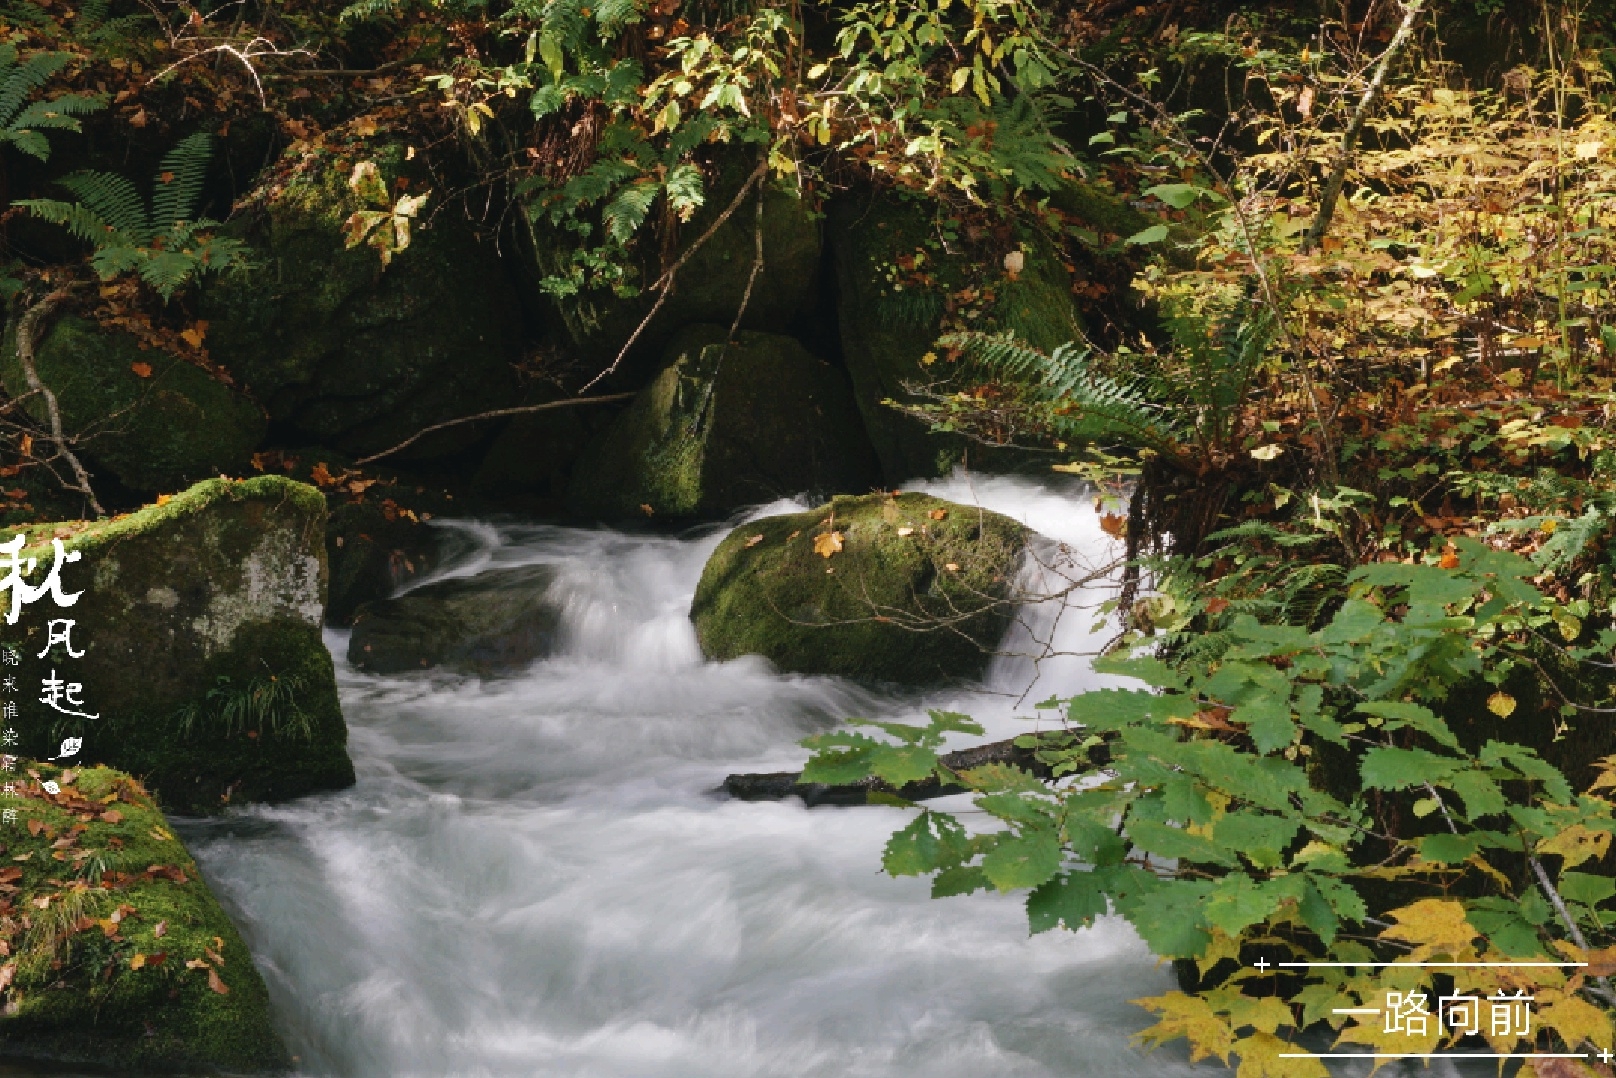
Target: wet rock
727	426
169	986
199	627
914	590
176	425
896	282
351	355
492	623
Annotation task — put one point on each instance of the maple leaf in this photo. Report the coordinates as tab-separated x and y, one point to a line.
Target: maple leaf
827	544
321	475
1263	1055
142	370
1191	1018
1573	1018
1434	926
1114	524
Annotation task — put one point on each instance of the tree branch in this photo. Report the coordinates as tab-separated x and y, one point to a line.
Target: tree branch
495	414
27	336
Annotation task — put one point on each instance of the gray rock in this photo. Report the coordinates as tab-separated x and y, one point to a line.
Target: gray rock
494	622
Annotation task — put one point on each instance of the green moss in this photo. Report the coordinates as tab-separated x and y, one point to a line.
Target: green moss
721	427
347	354
225	580
97	879
887	331
157	433
923	607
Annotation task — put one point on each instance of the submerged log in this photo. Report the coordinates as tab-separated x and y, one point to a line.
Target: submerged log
778	785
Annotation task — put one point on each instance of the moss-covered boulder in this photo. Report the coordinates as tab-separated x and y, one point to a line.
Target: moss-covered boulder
529	464
710	286
345	352
151	419
492	623
113	952
200	666
727	426
907	589
898	284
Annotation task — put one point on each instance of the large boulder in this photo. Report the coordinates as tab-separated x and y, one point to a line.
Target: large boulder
151	419
899	288
197	629
129	963
529	464
727	426
347	353
907	589
710	286
492	623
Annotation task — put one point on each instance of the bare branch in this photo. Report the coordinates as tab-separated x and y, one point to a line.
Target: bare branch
525	409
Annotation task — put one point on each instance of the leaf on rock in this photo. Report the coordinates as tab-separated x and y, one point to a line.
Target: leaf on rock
216	984
827	544
142	370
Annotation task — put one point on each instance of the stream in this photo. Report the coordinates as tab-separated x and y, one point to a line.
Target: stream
534	876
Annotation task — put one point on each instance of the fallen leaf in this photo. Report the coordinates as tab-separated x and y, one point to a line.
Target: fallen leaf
1501	704
137	961
163	499
25	447
160	929
905	532
827	544
35	827
321	475
1114	524
938	514
142	370
42	902
112	816
7	972
194	335
216	984
1217	605
1267	452
951	567
754	540
647	510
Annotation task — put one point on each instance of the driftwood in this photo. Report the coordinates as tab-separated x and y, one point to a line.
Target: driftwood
778	785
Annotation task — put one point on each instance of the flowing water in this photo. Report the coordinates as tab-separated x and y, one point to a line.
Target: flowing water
533	875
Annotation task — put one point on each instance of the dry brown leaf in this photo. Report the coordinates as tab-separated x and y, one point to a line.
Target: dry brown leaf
216	984
112	816
321	475
952	567
194	335
827	544
160	930
645	508
1114	524
142	370
754	540
938	514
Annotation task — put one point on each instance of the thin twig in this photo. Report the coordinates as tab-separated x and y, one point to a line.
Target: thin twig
27	335
1360	116
1570	922
495	414
665	282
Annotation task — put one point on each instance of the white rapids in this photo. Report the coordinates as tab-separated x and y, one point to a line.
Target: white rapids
533	875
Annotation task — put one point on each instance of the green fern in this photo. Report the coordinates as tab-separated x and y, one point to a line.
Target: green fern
22	122
158	240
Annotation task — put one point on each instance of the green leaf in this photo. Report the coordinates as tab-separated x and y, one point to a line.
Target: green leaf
1481	794
1024	861
1072	899
931	841
1414	716
1586	888
1398	769
1165	841
902	764
1268	721
960	880
1153	234
1168	917
1447	849
1237	902
1250	832
1181	196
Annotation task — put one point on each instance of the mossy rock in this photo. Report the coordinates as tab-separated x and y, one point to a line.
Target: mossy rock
157	433
492	623
347	353
130	962
372	554
199	623
727	426
711	285
530	462
889	331
920	592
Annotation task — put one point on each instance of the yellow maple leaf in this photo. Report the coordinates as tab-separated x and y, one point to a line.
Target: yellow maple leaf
1576	844
827	544
1373	1033
1191	1018
1434	926
1263	1055
1575	1019
1222	946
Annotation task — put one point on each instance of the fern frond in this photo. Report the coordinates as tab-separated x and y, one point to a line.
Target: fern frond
178	183
82	222
168	271
58	112
19	79
114	199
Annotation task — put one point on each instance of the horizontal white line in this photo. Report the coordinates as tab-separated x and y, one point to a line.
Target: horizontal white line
1356	1010
1467	965
1434	1055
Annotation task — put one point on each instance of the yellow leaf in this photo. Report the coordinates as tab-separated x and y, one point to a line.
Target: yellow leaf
1191	1018
1263	1013
1501	704
163	499
137	961
194	335
827	544
1573	1018
1576	844
1434	926
1222	946
1263	1055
